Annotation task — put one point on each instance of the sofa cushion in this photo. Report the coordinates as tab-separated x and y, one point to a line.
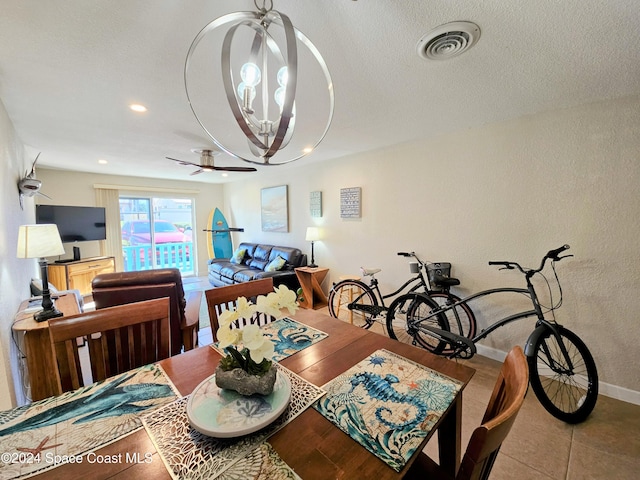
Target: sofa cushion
247	275
292	256
229	270
251	248
260	257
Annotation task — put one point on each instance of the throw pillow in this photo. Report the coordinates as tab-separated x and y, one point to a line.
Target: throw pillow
275	264
238	255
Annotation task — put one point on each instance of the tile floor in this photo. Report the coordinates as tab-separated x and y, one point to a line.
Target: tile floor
540	447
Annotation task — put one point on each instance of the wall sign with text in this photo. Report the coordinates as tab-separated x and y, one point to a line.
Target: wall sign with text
350	202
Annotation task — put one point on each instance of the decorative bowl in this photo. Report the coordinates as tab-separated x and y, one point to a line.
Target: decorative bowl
223	413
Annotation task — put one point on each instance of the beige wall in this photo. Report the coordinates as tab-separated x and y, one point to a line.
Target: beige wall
76	188
510	191
15	273
507	191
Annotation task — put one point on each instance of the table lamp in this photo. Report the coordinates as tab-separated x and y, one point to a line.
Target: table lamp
313	235
39	241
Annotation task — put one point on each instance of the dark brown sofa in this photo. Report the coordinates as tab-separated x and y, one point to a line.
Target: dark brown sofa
110	289
223	272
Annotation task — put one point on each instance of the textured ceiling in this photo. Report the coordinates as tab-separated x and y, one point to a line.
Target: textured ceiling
69	68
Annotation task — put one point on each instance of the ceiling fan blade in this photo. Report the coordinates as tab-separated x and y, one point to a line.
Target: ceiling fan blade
208	167
183	162
235	169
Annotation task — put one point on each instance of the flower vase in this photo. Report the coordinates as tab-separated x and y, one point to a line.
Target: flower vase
244	383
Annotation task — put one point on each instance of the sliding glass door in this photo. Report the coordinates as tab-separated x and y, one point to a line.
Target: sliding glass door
157	233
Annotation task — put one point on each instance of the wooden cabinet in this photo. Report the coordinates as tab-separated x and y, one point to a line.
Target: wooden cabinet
77	275
33	339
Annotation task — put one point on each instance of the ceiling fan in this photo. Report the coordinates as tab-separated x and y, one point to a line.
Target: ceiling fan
207	164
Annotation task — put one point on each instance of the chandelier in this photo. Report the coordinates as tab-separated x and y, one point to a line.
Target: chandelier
258	87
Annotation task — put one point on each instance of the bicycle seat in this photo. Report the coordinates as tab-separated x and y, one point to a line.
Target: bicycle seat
370	271
445	281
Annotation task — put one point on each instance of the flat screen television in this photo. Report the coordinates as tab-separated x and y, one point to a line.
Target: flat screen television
75	224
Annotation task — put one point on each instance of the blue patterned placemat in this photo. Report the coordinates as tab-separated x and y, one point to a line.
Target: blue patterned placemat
41	435
288	336
190	454
388	404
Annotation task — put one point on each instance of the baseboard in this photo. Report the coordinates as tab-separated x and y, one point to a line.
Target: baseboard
606	389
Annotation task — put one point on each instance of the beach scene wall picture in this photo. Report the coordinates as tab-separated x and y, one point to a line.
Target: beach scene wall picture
274	209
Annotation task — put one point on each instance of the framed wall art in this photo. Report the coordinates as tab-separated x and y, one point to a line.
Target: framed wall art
274	210
315	204
350	202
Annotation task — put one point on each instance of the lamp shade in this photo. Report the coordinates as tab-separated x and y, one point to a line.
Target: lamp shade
313	234
36	241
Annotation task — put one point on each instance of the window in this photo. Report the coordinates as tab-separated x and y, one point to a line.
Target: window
157	233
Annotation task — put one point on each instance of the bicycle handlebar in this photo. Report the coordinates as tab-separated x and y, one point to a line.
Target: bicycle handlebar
551	255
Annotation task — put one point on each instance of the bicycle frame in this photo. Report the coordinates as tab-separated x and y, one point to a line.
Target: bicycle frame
373	285
541	325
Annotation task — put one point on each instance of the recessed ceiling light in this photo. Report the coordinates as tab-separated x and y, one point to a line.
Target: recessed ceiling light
225	174
102	161
136	107
308	150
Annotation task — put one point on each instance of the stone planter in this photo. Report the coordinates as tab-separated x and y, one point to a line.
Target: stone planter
245	384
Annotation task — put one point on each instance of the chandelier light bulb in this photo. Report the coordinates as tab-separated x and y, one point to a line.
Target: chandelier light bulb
283	76
278	96
250	74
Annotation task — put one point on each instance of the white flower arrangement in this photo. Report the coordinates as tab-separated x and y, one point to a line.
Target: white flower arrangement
257	350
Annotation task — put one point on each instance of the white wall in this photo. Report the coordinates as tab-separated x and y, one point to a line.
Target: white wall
77	188
15	273
510	191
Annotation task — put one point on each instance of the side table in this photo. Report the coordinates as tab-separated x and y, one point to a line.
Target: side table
37	346
311	282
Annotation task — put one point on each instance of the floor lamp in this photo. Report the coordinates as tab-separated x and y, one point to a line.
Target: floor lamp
313	235
40	241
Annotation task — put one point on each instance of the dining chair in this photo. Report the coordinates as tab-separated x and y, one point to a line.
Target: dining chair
119	338
224	298
482	450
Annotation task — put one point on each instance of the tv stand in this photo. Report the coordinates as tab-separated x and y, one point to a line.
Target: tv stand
78	274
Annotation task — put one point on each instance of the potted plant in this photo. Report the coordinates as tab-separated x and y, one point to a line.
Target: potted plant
247	367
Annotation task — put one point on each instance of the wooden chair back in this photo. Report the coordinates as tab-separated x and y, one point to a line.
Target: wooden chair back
118	339
224	298
482	450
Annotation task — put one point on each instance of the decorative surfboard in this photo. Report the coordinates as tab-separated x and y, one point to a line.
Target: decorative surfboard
219	235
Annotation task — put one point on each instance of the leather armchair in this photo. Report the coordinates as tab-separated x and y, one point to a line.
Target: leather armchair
111	289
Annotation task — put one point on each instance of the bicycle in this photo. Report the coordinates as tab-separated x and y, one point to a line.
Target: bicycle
562	371
362	305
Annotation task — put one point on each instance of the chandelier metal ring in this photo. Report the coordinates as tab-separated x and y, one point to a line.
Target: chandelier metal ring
280	131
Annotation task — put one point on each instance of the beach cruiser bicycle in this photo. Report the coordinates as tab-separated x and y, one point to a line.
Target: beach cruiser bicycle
354	301
562	372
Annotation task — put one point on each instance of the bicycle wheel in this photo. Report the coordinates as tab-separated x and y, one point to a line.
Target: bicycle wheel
462	321
569	395
405	316
358	295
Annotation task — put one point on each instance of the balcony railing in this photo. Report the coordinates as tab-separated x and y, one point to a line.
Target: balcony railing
167	255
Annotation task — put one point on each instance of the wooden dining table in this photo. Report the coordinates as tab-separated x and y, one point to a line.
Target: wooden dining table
311	445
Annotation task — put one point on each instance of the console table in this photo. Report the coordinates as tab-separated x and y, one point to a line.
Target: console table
37	346
77	275
310	279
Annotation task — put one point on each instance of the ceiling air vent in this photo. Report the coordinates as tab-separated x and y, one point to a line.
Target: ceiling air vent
448	40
